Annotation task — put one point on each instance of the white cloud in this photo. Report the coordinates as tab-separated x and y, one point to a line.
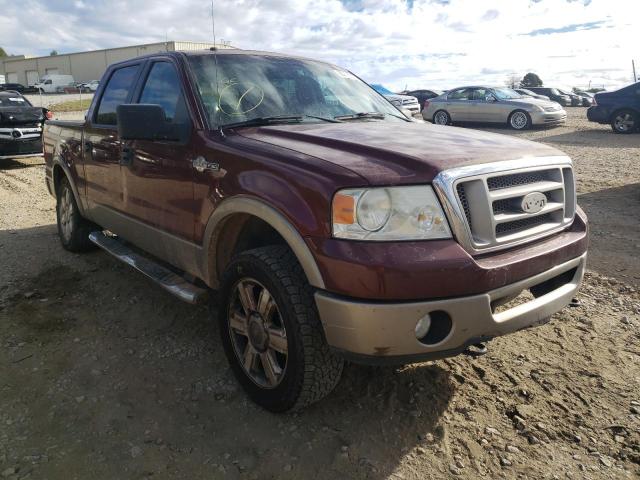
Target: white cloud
424	43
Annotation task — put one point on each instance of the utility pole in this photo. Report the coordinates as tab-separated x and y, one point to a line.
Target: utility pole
633	66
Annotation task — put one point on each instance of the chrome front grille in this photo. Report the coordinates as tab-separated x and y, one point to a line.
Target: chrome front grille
486	208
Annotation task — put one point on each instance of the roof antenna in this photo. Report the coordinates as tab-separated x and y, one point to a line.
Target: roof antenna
213	26
215	59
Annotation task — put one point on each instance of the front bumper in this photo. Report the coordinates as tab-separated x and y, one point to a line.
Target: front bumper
548	118
18	142
384	333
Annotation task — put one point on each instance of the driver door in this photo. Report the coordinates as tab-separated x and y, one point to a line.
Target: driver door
157	176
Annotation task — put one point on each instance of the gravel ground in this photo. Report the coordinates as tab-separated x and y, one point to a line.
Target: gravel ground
103	375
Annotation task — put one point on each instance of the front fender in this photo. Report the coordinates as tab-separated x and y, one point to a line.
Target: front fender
252	206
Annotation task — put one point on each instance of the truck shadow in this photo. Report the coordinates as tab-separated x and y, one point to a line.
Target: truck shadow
138	382
614	231
11	164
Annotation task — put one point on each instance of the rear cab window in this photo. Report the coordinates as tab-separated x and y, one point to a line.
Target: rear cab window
115	93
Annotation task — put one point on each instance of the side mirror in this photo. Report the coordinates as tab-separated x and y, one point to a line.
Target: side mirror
489	98
148	122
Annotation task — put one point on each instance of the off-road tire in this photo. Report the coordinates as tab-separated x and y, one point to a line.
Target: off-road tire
73	229
313	369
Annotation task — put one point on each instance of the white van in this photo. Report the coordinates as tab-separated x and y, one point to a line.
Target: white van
54	83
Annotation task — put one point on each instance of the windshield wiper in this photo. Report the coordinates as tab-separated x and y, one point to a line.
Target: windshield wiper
258	121
364	115
261	121
359	115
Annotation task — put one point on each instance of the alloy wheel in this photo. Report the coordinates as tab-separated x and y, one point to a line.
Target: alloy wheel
519	120
624	122
258	334
441	118
66	214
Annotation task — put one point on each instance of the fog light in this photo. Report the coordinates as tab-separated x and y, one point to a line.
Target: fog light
423	326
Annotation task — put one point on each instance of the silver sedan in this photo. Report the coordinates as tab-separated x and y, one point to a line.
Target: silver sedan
492	105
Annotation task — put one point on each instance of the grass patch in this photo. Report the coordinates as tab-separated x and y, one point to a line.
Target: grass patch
71	106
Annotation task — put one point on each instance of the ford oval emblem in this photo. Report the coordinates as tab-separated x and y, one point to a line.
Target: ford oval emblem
534	202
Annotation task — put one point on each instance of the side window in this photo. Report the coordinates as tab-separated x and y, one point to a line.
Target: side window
462	94
115	93
479	94
162	87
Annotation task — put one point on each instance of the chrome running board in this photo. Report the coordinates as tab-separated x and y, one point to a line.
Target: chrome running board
167	279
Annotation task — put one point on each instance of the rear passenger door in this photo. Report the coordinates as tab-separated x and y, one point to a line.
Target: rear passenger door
158	180
458	105
103	149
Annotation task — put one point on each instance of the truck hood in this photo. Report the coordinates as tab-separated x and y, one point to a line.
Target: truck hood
386	153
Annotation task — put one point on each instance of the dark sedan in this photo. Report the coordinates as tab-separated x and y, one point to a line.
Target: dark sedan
620	109
423	95
16	87
553	94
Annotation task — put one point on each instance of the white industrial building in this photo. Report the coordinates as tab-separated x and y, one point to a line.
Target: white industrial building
84	66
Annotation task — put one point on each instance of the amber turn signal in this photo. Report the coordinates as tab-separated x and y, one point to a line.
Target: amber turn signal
344	208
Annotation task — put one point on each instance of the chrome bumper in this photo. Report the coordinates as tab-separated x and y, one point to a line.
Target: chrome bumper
385	332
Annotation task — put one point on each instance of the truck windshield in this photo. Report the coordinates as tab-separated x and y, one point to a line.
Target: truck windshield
248	87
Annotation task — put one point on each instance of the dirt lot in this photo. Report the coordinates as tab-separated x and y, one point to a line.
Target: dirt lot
103	375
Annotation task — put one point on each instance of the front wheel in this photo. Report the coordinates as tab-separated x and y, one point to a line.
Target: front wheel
441	117
624	121
271	332
519	120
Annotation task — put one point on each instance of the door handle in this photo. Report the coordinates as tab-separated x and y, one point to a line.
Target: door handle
126	157
200	165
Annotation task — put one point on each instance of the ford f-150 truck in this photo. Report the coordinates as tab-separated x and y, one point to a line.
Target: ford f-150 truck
331	226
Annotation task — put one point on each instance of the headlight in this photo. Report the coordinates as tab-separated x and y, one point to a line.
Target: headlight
385	214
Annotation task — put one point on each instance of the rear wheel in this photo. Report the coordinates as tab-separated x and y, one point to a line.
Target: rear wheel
73	228
519	120
624	121
441	117
271	332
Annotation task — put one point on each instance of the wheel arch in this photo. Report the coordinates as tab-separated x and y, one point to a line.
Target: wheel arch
230	227
60	170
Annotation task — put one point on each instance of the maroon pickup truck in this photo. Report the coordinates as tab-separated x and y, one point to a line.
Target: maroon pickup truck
333	227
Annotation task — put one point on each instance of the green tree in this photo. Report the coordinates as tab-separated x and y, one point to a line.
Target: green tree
3	53
531	80
53	53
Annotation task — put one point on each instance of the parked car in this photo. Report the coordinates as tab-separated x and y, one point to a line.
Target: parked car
422	95
529	93
587	98
327	233
16	87
53	83
553	94
492	105
92	85
20	126
620	109
576	100
400	101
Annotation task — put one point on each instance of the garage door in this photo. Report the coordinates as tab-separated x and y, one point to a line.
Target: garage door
32	77
51	71
12	77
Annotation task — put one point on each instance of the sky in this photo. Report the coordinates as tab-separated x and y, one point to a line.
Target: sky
398	43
